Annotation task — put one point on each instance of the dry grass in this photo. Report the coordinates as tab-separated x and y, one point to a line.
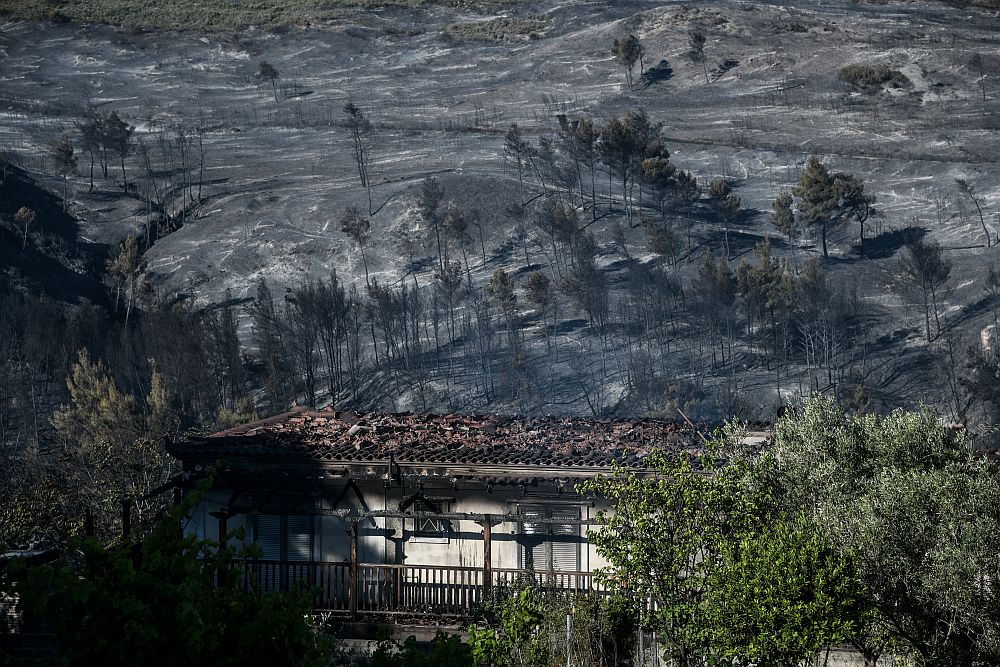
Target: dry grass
500	29
209	15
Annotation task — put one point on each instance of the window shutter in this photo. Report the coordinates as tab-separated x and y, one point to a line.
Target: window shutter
299	538
565	541
532	527
534	553
268	536
550	547
298	547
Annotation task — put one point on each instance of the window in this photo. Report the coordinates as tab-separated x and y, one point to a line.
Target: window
549	546
430	529
284	540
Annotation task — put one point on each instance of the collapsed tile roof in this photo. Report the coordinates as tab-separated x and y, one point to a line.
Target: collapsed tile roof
346	437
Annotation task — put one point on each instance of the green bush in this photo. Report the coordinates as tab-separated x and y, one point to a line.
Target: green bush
499	30
873	77
525	626
446	650
171	600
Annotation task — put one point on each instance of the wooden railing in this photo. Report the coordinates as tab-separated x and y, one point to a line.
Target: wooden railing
403	589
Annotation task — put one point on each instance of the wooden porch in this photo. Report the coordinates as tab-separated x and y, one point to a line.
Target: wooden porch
413	590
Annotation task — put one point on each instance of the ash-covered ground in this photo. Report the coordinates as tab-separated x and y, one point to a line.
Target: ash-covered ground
278	173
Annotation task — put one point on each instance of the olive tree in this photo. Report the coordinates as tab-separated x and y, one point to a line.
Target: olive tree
919	511
695	541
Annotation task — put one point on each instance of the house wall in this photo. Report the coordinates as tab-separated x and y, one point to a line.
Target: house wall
392	540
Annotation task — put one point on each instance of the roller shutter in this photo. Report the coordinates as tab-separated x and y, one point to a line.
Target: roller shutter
548	547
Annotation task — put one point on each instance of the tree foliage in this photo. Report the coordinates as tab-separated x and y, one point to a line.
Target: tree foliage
691	541
63	155
115	446
926	270
25	217
781	594
267	72
920	512
828	200
171	600
517	638
628	51
783	217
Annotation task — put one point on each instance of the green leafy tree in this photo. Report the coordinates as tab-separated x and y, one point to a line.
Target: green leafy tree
783	217
921	515
114	450
666	525
627	52
727	204
537	288
781	594
625	144
65	161
25	217
696	538
853	203
171	600
670	187
815	193
117	137
926	270
125	272
828	200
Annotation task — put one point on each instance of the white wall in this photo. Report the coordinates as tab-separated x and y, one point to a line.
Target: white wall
391	540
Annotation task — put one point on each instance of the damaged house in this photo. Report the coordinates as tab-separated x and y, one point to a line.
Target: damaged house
412	514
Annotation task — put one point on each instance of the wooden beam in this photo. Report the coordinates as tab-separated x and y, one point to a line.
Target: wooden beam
473	516
353	598
223	530
487	557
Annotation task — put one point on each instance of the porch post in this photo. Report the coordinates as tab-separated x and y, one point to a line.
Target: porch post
353	598
222	530
487	557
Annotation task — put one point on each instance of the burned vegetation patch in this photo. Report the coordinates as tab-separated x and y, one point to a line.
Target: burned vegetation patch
503	29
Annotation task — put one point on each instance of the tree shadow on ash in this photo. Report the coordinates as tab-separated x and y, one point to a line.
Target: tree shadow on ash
662	71
47	262
569	326
887	244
